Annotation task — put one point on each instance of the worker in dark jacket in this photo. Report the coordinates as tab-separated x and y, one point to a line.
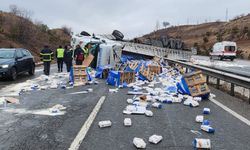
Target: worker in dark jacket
46	55
68	57
79	55
59	57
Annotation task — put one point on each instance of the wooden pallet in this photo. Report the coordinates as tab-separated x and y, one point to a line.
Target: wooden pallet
194	78
133	66
155	69
80	74
128	77
200	89
147	73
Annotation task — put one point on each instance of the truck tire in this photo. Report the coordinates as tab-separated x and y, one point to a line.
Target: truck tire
84	33
118	35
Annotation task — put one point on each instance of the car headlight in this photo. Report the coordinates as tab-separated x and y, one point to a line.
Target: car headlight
5	66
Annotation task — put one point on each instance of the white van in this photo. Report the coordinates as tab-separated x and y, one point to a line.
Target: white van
224	50
109	51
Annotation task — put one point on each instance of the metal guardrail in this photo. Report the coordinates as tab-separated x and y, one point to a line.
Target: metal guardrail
156	51
220	75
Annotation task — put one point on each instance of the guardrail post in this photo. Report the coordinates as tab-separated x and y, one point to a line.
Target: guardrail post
249	97
218	83
207	79
232	89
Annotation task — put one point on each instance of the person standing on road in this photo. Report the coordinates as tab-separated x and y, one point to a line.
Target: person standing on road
59	57
46	55
68	57
86	49
79	55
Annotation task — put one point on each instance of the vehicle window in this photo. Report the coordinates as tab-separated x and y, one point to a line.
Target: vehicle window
19	53
26	53
6	54
230	48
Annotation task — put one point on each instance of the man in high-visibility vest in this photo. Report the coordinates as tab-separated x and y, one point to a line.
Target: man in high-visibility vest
60	57
46	55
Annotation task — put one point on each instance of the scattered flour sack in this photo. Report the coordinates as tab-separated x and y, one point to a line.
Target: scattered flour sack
127	122
130	101
104	124
155	139
148	113
191	103
202	143
199	118
139	143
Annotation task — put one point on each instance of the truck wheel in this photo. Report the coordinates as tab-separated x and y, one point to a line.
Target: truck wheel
232	59
221	58
118	35
84	33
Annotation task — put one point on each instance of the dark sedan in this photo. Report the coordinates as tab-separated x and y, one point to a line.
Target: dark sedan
14	61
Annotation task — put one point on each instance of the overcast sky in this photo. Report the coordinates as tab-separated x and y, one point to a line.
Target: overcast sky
132	17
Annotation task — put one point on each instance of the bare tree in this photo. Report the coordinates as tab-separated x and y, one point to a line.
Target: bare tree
14	9
165	24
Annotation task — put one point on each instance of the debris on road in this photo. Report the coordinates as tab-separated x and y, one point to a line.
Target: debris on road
148	113
196	132
127	122
53	111
206	111
207	128
104	124
155	139
113	90
139	143
12	100
202	143
199	118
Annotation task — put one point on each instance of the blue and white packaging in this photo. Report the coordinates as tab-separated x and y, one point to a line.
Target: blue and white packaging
199	118
206	111
157	105
202	143
207	128
205	122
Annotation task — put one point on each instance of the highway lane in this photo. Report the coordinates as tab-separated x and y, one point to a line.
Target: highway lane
174	122
238	66
22	130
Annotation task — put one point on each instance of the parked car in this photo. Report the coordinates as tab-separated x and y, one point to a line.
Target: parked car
14	61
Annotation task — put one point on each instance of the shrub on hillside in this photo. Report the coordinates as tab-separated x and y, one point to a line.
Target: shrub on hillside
205	39
208	33
67	30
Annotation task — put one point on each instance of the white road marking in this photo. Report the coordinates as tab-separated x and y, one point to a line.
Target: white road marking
241	118
85	128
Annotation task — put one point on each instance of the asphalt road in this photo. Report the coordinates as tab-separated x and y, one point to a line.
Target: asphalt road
20	130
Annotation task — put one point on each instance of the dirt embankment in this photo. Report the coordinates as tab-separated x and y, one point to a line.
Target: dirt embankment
203	36
17	31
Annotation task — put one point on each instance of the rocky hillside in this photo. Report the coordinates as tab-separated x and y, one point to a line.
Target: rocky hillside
18	31
203	36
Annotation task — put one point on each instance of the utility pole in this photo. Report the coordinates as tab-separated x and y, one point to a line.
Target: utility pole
227	15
